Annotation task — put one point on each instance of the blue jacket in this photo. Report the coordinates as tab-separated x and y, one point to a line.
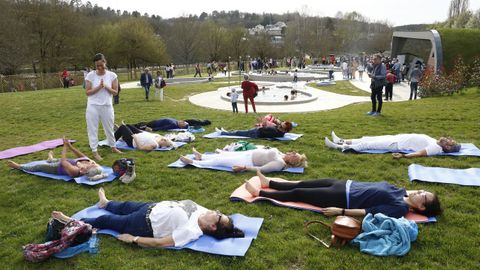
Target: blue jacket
143	80
385	236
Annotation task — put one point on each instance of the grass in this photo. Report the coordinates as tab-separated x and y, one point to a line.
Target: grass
26	201
343	88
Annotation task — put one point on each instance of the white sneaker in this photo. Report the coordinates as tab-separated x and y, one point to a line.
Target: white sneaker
336	139
222	129
218	130
330	144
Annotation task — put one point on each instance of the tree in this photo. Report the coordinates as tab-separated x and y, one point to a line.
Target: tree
183	40
474	21
457	7
236	42
214	38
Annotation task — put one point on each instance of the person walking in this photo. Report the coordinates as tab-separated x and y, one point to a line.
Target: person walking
391	79
249	92
378	76
197	71
146	81
66	78
159	85
101	84
414	79
116	98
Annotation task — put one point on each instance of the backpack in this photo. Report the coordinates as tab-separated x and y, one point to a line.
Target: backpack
62	237
163	83
343	230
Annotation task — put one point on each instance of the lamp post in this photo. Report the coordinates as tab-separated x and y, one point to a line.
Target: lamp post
228	70
240	68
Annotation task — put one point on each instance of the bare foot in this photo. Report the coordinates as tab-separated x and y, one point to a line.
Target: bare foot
50	157
115	150
13	164
251	189
97	156
264	181
186	160
102	199
198	155
60	216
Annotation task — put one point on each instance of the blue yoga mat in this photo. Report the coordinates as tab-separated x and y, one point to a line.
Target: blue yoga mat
80	180
228	247
191	130
123	145
467	149
180	164
464	177
286	137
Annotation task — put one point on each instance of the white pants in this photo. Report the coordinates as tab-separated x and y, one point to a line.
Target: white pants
159	92
104	114
386	142
226	159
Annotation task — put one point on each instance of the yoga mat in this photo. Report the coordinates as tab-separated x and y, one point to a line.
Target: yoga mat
123	145
464	177
467	149
227	247
192	130
79	180
23	150
286	137
180	164
241	194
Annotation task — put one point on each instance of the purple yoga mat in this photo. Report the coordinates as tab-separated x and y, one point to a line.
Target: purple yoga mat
23	150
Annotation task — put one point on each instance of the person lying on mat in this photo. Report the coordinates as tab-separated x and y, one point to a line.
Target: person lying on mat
351	198
82	165
265	160
162	224
141	140
260	132
421	144
170	123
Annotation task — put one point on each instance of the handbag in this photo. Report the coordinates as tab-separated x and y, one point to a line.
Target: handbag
343	229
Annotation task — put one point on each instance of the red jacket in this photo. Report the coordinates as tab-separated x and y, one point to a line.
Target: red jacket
249	88
391	77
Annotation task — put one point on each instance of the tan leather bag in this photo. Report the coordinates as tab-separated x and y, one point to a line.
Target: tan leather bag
343	230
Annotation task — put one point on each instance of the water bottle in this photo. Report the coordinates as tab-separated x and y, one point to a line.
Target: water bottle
93	244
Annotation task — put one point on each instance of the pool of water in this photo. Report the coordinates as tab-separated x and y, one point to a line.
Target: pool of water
275	94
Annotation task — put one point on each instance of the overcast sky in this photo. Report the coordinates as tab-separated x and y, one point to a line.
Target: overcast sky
397	12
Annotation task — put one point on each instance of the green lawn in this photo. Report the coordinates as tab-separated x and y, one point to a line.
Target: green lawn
343	88
27	201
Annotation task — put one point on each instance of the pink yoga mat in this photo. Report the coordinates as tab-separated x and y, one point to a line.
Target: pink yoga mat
241	194
23	150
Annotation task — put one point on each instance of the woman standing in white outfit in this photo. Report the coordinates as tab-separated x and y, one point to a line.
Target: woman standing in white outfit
101	85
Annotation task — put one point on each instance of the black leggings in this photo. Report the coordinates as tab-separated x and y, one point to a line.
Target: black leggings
126	132
321	193
376	96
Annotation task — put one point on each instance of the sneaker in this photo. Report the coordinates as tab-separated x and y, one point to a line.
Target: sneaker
377	114
218	130
331	144
336	139
370	113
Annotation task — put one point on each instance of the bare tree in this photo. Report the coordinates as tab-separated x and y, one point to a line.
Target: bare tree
457	7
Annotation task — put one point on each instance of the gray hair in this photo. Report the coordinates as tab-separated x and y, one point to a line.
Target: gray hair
94	171
246	77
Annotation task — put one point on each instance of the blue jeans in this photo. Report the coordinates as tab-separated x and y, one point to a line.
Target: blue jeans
147	89
127	217
251	133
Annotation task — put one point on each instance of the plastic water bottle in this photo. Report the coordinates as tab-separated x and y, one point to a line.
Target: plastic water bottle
93	244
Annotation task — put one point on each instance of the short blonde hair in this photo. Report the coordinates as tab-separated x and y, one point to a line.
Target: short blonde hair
301	161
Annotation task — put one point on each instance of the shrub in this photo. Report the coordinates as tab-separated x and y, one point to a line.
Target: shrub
474	80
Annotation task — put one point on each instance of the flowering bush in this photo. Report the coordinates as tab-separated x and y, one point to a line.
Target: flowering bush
442	83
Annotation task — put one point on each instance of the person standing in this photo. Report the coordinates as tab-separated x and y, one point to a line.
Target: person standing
116	98
101	84
85	73
377	75
391	79
295	76
233	99
249	91
361	69
197	71
414	79
146	81
397	67
66	79
159	84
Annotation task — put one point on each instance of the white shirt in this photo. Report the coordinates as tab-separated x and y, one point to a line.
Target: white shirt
145	138
102	97
178	219
417	142
233	97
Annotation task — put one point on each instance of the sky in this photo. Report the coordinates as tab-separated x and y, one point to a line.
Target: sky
399	12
